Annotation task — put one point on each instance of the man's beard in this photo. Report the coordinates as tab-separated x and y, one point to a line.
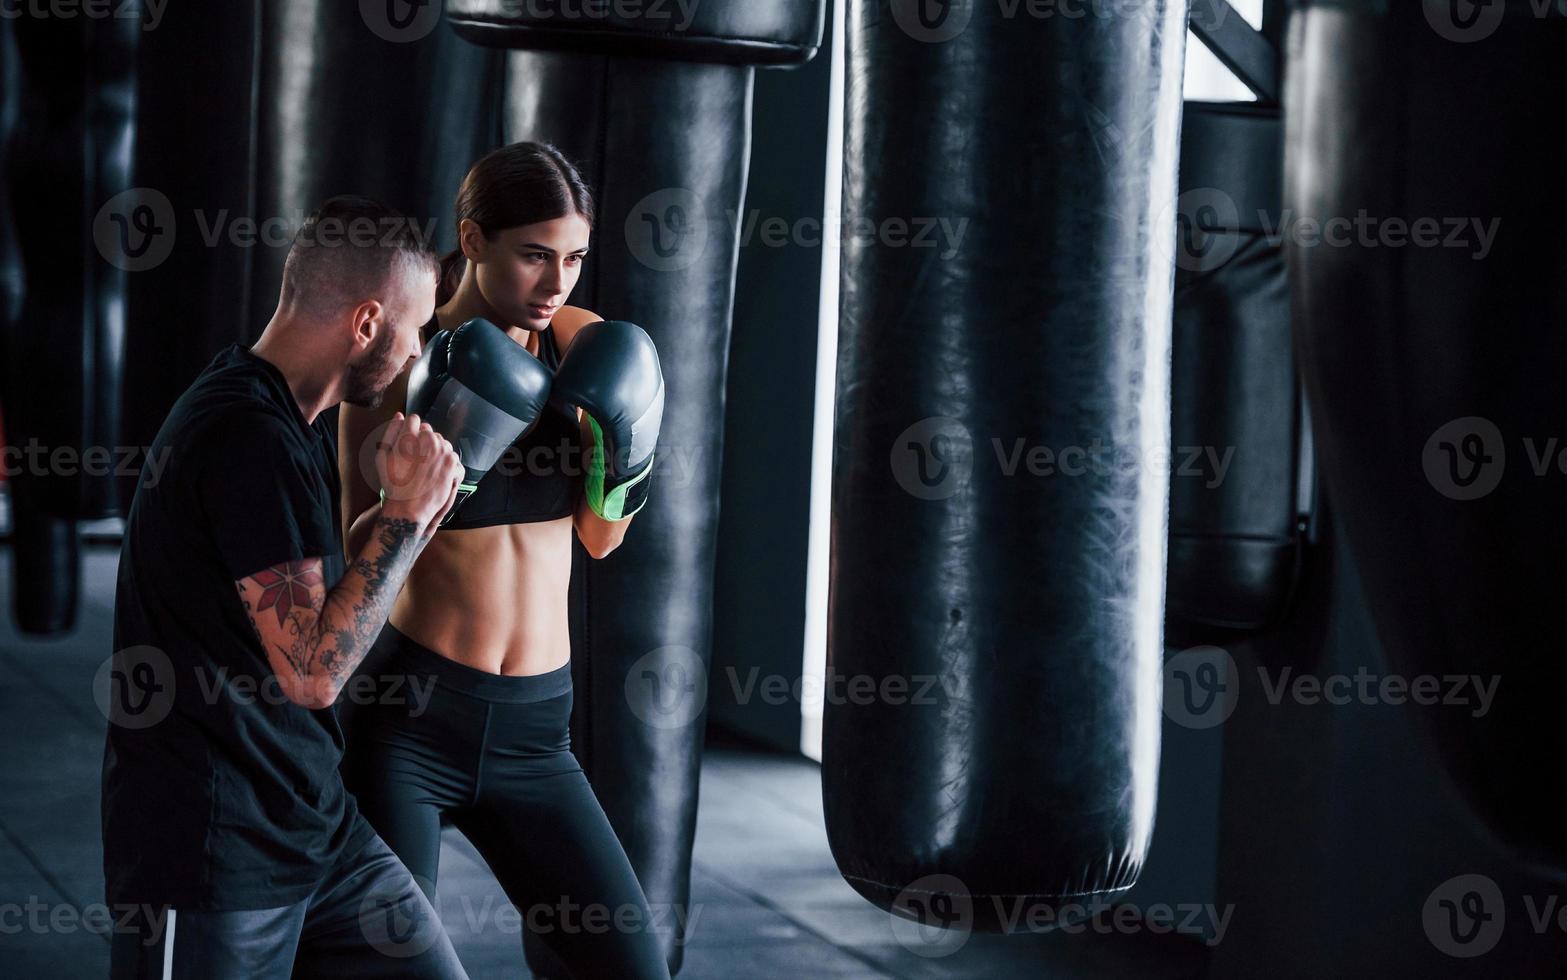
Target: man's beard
375	372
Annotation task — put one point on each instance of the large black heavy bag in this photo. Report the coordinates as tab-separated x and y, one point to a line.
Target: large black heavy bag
291	102
991	730
659	122
73	89
1433	338
10	254
641	620
1241	480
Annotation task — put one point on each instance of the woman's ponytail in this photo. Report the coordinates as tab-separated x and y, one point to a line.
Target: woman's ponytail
452	268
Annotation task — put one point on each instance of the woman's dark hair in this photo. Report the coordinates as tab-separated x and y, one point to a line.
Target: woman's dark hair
516	185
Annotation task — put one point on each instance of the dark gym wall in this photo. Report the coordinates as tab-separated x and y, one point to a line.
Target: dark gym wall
759	587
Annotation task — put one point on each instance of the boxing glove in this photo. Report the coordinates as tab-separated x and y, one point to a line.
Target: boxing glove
611	372
481	390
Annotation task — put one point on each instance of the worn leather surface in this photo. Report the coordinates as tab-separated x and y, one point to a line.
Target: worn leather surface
71	87
10	254
251	115
1034	600
664	145
1237	496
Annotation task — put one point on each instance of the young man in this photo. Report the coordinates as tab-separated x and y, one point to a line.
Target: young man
238	621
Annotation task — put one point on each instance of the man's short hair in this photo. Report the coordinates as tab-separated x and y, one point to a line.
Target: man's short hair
350	249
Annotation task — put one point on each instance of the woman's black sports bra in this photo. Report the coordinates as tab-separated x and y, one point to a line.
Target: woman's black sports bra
539	477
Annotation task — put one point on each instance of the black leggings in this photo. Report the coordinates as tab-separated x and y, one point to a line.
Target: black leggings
493	754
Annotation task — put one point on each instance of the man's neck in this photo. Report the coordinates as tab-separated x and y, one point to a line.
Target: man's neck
312	379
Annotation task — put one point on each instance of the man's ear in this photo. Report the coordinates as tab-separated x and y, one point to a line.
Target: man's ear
369	318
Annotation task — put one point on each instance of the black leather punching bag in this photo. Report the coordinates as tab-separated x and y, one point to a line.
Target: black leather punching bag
10	254
1242	486
69	156
999	500
395	119
301	100
1433	340
659	121
195	159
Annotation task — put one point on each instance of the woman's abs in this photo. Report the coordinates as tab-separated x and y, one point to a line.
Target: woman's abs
492	598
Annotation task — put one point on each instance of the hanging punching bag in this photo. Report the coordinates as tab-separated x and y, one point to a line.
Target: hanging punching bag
69	159
999	488
656	112
1242	483
1431	319
644	615
305	99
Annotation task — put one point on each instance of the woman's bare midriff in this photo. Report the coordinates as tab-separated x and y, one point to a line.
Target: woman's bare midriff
493	598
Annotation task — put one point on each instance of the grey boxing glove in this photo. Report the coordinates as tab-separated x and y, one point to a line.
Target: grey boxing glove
611	372
481	390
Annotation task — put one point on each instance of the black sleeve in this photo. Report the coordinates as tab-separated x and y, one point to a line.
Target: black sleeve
263	502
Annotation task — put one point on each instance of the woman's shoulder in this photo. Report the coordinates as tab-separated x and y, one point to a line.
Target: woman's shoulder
568	320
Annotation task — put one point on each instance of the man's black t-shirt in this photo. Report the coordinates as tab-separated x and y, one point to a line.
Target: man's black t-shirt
220	794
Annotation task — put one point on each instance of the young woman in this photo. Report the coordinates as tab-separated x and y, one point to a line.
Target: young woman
481	624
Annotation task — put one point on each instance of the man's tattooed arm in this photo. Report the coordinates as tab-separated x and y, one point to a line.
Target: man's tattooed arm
314	639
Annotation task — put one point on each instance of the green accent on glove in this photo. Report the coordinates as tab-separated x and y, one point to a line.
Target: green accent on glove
610	500
626	499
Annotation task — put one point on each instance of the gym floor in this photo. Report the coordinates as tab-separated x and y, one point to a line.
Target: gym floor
766	898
